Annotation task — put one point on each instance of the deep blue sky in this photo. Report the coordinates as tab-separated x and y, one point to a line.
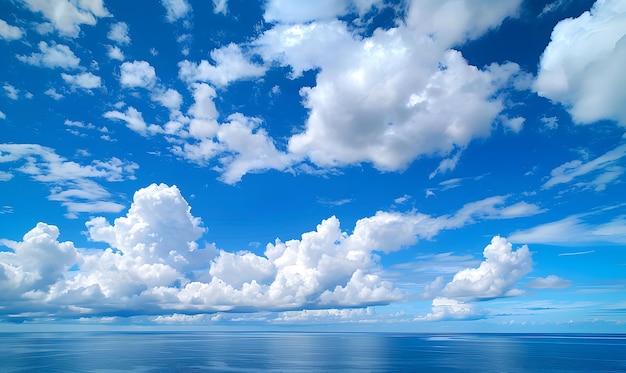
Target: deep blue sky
424	165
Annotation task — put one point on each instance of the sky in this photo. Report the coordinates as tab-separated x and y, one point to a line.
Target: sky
426	165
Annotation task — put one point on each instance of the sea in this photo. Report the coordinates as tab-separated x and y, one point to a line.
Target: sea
309	352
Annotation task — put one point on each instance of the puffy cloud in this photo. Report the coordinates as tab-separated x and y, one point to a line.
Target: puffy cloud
71	183
119	33
137	74
550	282
115	53
53	93
52	56
134	121
230	65
8	32
452	309
67	16
392	97
495	276
605	169
36	263
176	9
82	80
169	98
582	65
11	92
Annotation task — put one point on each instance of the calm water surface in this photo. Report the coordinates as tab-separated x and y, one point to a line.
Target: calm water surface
309	352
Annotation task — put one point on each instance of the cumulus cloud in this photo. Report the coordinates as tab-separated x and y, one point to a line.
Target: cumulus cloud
82	80
399	94
137	74
134	121
154	265
71	184
66	16
230	65
10	91
115	53
119	33
603	170
176	9
52	92
8	32
286	11
581	67
493	278
52	56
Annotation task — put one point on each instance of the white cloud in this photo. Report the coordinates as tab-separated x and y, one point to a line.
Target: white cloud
582	65
394	96
452	309
137	74
115	53
230	65
3	115
119	33
176	9
11	92
52	92
574	230
83	80
67	16
71	183
286	11
134	121
549	282
220	6
169	98
605	170
52	56
8	32
514	124
495	276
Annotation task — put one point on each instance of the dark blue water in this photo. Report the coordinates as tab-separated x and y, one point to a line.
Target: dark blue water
309	352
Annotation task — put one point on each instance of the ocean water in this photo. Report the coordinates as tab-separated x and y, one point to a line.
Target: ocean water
309	352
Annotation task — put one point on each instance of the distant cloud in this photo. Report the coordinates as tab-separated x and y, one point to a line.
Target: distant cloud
582	65
8	32
220	6
52	92
67	16
52	56
176	9
115	53
3	115
603	170
550	282
10	91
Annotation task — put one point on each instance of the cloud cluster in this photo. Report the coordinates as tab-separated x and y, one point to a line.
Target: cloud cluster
154	265
52	56
67	16
9	32
582	67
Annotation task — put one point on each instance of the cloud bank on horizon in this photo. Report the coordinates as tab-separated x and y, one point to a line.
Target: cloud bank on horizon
446	158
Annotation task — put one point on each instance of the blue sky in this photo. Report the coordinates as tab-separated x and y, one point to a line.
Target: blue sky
354	164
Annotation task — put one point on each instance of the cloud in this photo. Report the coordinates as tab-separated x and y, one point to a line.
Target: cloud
550	282
397	95
119	33
11	92
581	67
495	276
3	115
71	183
574	230
134	121
286	11
220	6
452	309
52	56
67	16
137	74
605	168
230	65
115	53
176	9
82	80
52	92
8	32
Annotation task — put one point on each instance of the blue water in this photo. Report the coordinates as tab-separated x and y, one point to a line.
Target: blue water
309	352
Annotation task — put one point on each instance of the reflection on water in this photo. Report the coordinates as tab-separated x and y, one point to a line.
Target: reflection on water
311	352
